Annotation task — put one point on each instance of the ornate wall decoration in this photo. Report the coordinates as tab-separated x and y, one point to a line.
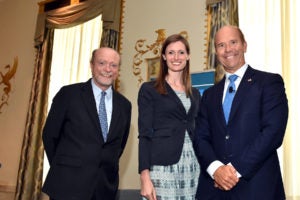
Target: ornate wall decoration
5	85
154	50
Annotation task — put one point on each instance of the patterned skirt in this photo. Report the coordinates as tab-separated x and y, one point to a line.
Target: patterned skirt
178	181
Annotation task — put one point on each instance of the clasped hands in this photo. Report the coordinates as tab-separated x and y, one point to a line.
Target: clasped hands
226	177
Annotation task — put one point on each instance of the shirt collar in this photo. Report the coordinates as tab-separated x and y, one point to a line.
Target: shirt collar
97	91
240	72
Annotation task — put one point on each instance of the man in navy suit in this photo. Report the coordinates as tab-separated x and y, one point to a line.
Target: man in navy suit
84	164
239	157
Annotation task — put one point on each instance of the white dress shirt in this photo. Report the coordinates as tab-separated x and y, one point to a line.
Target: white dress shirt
240	73
108	100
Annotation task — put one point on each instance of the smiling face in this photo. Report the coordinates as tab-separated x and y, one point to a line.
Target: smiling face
176	56
105	67
230	48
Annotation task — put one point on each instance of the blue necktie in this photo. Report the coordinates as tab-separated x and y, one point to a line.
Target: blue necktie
229	96
103	116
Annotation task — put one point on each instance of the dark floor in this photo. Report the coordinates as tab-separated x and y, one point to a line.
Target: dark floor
129	195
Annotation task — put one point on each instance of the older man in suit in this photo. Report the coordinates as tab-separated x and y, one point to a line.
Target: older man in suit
82	150
236	145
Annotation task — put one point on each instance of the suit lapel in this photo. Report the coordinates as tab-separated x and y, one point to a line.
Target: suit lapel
243	89
219	100
90	104
116	110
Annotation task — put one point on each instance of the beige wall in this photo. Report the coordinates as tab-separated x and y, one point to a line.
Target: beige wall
17	25
140	21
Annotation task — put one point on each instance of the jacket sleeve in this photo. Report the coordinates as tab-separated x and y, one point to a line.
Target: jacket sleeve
272	125
127	129
53	125
145	124
203	147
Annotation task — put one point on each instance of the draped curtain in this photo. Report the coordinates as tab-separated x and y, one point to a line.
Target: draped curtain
30	172
111	24
290	69
110	38
271	29
29	181
71	53
72	49
219	12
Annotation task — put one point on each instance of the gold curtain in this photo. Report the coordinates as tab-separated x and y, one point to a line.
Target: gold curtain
76	14
290	72
29	181
110	38
219	13
211	2
30	172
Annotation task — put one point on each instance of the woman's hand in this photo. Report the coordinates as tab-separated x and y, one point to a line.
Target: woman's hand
147	188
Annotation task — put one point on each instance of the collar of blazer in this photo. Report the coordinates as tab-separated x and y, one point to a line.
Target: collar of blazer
174	97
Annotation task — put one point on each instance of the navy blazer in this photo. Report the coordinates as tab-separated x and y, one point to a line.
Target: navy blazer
249	141
162	123
81	163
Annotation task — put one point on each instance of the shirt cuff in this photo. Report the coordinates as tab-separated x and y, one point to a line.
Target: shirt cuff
237	173
213	167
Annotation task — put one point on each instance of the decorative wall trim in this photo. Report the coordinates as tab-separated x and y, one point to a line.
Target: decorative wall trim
5	82
154	49
121	26
143	49
7	188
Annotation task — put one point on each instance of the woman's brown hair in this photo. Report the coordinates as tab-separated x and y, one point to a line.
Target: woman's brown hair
160	82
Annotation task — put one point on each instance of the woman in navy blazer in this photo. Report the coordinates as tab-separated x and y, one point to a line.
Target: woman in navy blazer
168	107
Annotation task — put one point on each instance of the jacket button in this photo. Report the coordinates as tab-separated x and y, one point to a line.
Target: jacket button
227	137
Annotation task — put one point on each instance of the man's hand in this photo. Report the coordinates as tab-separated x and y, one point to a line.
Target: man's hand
225	177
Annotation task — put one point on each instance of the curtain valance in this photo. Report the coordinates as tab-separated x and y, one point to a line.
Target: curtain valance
210	2
73	15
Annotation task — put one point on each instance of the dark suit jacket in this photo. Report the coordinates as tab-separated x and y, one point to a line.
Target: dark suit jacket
81	163
249	141
162	124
